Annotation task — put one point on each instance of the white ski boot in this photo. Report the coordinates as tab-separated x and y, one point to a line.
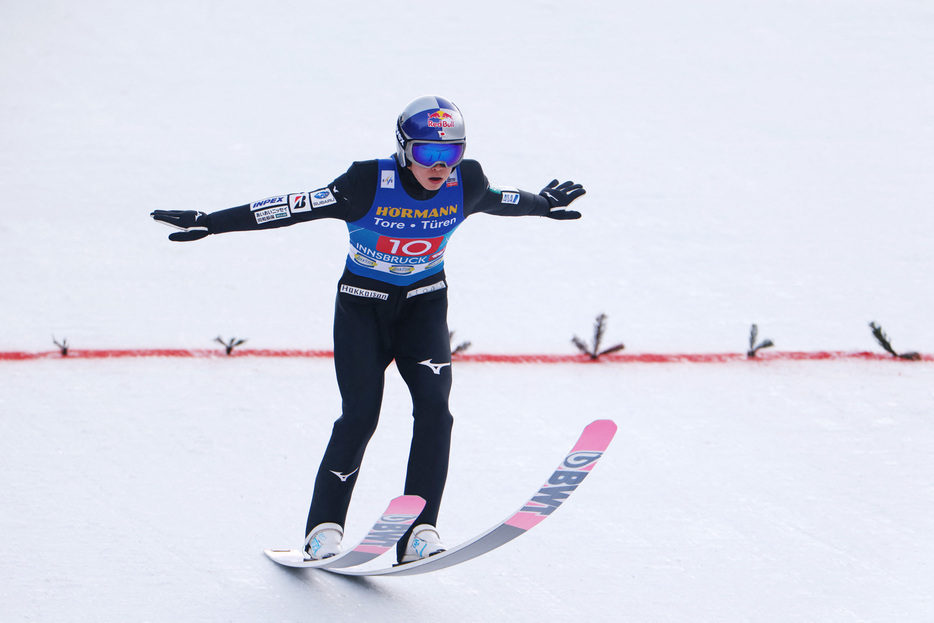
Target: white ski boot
423	542
324	541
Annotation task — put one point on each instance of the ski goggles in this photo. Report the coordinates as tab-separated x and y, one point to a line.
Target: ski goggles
428	154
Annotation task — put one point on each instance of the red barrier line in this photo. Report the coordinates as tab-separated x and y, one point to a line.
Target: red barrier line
684	357
162	352
478	358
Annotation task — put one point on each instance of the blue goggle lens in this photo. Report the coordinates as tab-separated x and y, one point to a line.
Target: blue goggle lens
430	154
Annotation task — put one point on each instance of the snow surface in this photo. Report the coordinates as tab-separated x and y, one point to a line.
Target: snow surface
746	162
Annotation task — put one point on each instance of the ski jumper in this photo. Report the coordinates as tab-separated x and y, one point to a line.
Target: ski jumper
391	306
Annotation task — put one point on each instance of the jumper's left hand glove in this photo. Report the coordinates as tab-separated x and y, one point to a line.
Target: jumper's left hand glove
193	225
560	197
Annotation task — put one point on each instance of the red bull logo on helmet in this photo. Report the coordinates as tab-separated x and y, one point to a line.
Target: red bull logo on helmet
440	119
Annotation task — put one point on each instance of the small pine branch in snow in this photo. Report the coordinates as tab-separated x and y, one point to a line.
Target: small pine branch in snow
753	347
884	341
63	347
460	348
230	344
594	351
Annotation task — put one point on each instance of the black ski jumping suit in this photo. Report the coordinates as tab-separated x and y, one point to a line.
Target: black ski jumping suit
391	305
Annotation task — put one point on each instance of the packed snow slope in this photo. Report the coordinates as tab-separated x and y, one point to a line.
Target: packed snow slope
767	163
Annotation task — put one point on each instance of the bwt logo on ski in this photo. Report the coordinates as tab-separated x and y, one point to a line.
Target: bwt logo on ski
390	529
578	460
562	483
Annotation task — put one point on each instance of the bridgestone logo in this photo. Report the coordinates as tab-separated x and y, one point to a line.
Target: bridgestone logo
367	294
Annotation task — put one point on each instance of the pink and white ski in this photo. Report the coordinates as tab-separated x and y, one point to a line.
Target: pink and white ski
388	529
570	473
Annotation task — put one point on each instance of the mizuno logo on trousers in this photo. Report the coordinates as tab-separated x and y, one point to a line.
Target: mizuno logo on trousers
344	477
435	367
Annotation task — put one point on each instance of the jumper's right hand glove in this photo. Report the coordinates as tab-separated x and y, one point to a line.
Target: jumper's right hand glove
560	197
193	224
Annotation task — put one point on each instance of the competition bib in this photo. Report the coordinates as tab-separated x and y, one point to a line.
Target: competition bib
402	240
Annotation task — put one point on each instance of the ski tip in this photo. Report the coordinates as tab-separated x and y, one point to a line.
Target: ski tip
286	557
602	428
409	499
606	425
597	435
406	505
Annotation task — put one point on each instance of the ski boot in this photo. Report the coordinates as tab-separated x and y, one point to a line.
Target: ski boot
323	541
423	542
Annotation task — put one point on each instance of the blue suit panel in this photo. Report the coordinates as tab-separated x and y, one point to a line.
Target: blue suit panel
401	240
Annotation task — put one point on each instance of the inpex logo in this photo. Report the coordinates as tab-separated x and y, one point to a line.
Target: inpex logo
271	201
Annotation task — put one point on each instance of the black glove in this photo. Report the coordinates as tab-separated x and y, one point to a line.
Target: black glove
559	197
193	225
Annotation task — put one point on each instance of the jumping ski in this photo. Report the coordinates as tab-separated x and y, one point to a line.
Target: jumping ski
570	473
389	528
